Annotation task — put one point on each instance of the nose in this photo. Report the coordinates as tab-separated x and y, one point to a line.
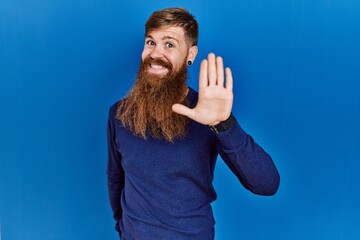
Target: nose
157	52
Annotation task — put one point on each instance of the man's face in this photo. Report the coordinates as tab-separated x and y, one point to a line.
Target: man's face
161	82
165	50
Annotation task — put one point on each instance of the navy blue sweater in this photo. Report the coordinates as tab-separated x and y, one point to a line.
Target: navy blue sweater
163	190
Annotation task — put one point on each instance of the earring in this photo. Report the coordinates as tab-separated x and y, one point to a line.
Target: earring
189	63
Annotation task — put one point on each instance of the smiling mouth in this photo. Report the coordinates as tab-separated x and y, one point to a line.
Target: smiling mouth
157	69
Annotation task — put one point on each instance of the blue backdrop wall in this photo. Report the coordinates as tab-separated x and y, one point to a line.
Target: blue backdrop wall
296	67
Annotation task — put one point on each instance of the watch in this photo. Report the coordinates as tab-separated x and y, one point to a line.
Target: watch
224	125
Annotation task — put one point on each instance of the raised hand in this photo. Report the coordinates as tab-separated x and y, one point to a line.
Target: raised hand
215	94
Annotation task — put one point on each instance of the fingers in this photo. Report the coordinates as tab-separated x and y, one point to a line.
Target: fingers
212	72
183	110
220	71
212	69
203	75
229	79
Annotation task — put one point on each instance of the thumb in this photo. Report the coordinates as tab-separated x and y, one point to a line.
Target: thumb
183	110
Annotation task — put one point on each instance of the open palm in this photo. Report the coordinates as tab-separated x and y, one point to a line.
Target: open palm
215	94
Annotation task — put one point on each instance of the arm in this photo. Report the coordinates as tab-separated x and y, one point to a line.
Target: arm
250	163
115	172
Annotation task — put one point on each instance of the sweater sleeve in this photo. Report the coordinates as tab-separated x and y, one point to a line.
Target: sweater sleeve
115	172
248	161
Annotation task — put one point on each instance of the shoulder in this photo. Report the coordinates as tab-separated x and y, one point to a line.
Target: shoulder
192	97
113	108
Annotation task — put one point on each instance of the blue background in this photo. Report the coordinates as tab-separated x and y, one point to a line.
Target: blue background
296	67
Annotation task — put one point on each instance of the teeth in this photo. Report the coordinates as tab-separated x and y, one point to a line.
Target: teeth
157	67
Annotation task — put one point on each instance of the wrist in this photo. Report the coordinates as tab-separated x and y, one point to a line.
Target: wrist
214	123
223	125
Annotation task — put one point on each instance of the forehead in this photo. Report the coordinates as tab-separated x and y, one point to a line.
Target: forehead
168	32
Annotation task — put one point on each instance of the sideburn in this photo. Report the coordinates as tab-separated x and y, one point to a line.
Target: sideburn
147	110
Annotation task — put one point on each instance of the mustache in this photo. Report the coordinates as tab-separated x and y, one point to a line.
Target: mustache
149	60
146	111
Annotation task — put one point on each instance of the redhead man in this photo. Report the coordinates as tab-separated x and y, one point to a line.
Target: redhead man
164	139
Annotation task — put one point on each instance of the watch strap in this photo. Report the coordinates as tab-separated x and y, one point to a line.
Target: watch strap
224	125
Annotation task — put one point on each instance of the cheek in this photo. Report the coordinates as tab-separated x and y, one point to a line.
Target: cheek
178	61
144	54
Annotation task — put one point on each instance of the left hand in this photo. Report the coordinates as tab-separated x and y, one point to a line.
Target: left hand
215	100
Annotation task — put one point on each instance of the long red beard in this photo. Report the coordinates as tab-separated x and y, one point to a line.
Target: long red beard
147	108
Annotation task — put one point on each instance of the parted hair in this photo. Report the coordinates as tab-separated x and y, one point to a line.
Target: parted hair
178	17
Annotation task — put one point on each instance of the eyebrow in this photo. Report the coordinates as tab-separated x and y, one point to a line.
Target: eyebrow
164	38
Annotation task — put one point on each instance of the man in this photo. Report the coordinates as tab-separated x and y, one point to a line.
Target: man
164	138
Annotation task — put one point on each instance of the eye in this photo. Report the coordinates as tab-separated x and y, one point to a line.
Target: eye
150	43
169	45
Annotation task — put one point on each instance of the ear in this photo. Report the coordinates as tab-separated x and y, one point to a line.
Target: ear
192	53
